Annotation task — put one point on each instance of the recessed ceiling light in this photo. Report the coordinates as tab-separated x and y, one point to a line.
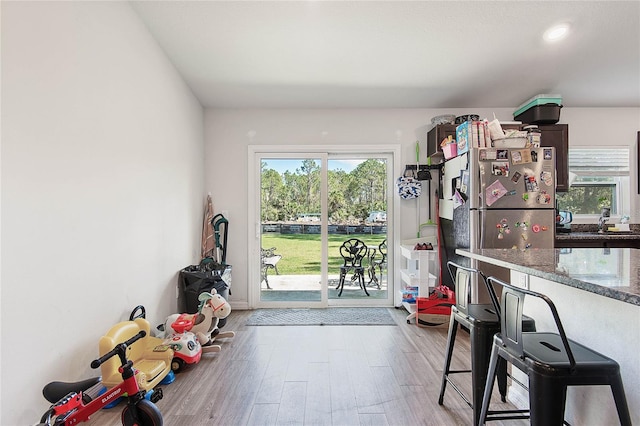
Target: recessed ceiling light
557	32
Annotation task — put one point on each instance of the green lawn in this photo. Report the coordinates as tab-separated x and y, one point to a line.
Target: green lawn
301	252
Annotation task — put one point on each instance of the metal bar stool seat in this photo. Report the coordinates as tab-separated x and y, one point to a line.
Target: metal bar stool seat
551	361
482	321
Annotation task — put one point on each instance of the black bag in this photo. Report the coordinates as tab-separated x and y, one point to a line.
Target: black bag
196	279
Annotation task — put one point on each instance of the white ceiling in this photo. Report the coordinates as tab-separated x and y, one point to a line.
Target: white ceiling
397	54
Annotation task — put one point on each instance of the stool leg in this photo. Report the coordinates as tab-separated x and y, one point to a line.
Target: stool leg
621	401
502	379
488	388
481	344
451	339
547	399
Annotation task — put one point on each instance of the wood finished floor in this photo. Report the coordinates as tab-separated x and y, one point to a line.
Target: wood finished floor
319	375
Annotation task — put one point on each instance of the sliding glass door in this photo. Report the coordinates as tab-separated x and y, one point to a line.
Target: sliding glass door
310	209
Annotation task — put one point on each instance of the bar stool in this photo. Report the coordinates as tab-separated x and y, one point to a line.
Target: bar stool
551	361
482	321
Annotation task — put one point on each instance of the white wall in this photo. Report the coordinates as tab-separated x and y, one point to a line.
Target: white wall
102	188
227	139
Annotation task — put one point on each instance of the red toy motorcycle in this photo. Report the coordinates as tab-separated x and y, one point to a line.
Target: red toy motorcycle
73	404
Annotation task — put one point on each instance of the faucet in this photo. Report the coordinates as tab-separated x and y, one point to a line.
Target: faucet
601	222
605	213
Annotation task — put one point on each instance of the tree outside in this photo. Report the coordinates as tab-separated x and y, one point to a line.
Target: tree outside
587	199
352	195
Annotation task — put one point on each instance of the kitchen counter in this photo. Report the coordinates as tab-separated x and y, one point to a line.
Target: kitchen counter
609	272
595	240
595	236
584	235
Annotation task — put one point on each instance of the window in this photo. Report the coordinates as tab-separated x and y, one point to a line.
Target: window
600	179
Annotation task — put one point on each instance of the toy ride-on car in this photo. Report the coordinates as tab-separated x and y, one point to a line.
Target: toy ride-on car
185	345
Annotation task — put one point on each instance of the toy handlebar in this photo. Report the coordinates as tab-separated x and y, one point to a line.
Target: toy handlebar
118	349
134	314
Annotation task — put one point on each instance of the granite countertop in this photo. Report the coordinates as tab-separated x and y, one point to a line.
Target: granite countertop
590	232
596	236
609	272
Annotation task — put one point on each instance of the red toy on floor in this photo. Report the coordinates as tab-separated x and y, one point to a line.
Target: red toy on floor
436	309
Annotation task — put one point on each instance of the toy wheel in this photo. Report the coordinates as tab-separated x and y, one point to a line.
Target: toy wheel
177	365
147	414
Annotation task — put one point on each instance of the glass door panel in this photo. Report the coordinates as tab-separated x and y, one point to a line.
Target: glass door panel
291	230
357	211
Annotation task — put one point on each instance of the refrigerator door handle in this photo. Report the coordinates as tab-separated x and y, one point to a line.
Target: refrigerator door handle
473	167
475	230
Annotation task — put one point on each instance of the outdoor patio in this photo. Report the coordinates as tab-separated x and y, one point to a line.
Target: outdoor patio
307	287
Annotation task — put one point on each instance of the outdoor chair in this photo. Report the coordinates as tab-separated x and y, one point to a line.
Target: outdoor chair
379	262
352	252
269	260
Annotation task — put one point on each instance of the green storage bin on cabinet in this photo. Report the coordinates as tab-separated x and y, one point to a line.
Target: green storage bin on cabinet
541	109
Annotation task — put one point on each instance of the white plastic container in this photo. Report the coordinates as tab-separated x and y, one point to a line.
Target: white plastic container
623	227
519	142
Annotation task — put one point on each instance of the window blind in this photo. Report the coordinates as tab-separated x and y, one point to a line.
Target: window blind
599	161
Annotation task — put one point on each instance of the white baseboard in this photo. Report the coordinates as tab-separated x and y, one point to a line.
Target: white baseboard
240	305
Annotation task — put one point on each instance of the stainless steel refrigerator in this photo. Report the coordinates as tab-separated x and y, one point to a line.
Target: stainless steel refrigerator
497	198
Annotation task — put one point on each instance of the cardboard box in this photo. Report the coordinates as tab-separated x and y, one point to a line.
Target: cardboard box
409	294
432	320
